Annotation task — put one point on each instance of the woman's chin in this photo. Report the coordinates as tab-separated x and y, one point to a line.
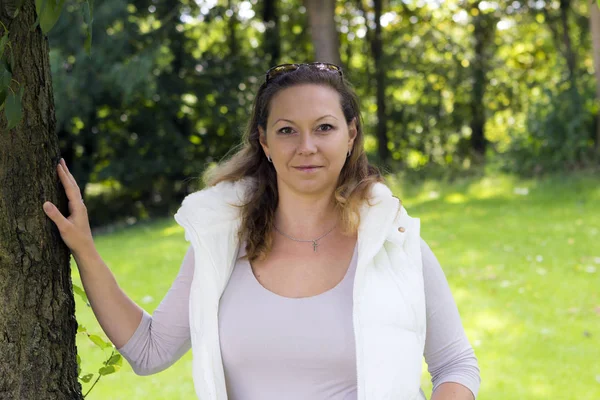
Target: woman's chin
312	187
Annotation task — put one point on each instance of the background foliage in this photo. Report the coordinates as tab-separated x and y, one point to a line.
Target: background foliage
448	88
168	87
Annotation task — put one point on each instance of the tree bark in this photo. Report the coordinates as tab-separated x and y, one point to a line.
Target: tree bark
563	44
367	42
595	30
272	38
377	50
570	55
481	37
232	29
37	309
323	30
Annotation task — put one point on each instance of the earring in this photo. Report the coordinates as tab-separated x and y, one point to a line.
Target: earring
349	152
269	158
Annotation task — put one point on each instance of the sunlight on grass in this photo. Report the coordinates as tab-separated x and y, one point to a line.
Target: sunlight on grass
172	230
541	389
455	198
521	256
490	321
490	187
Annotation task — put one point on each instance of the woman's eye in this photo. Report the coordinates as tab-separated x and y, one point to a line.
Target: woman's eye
325	127
286	130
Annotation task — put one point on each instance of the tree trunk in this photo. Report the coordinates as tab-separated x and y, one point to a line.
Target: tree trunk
272	38
232	29
322	30
569	52
563	44
595	30
377	50
481	38
37	309
367	42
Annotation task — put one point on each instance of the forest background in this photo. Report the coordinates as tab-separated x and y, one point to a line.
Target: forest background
448	88
484	115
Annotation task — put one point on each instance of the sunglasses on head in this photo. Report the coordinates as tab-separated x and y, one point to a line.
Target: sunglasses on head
285	68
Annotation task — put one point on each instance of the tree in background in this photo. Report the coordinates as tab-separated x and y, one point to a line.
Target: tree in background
167	90
37	309
380	73
558	23
595	31
272	42
374	41
484	26
321	19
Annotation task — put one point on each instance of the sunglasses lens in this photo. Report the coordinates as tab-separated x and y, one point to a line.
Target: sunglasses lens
280	69
285	68
326	67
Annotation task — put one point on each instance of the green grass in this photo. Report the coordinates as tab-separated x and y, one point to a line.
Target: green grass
524	270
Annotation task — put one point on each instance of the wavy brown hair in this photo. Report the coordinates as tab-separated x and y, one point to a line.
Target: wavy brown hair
258	213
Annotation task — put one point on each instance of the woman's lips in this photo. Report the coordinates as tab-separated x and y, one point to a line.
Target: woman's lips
307	168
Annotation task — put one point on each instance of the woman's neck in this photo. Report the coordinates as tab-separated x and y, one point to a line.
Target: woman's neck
305	218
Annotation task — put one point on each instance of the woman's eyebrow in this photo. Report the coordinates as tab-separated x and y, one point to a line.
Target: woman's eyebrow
292	122
325	116
282	119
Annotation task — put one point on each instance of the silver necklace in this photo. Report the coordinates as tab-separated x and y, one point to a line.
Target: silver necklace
314	241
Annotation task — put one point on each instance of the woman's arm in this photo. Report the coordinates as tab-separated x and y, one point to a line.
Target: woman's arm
149	343
118	315
161	339
452	391
449	355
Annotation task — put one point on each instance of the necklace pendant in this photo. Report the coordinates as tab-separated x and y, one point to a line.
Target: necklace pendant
315	246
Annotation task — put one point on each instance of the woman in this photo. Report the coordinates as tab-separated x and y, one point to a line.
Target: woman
305	278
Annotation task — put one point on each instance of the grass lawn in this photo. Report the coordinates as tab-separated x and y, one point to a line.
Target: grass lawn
522	258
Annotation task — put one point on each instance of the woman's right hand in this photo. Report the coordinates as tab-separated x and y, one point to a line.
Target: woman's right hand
74	230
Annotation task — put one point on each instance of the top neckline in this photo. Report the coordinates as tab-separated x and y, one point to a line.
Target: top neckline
248	269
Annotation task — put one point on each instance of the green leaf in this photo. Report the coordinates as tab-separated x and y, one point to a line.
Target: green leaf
19	4
81	293
48	12
98	341
39	9
13	110
78	364
86	378
117	359
88	41
2	97
81	328
111	369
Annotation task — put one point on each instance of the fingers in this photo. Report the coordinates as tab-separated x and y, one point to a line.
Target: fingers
71	177
56	216
71	188
66	174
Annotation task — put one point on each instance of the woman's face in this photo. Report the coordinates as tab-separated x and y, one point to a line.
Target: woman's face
307	138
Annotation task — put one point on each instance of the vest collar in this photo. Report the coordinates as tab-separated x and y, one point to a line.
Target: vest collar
218	207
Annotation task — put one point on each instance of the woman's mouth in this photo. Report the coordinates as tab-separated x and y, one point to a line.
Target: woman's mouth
308	168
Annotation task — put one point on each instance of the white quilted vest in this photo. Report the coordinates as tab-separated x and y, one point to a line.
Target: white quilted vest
389	299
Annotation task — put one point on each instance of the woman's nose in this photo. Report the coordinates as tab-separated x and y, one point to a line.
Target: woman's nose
307	144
